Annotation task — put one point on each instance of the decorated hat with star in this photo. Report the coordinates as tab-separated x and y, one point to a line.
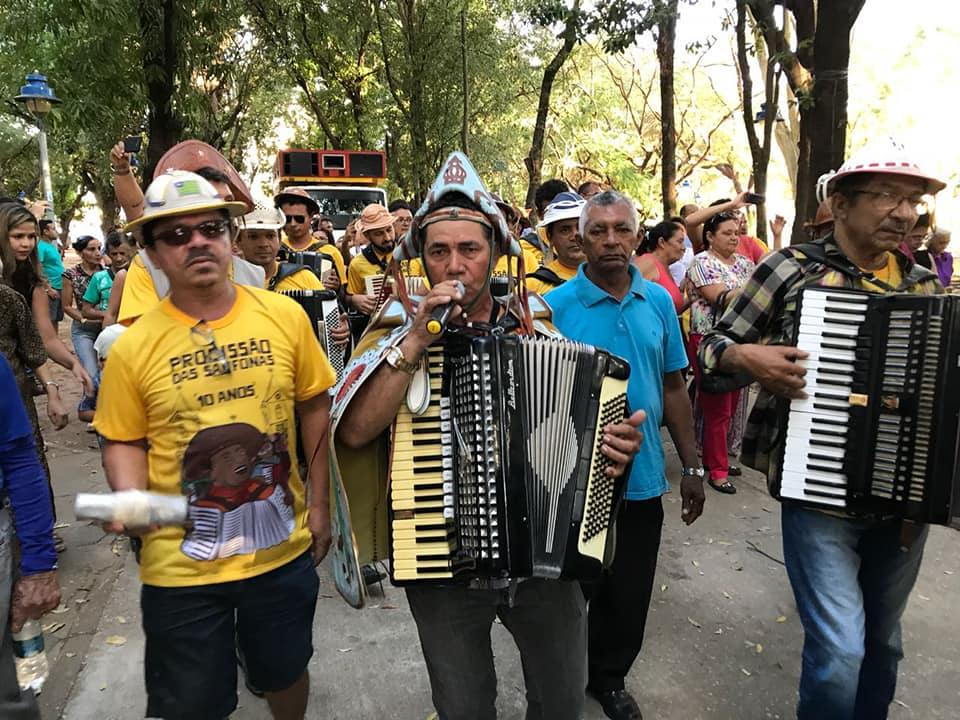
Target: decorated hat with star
457	176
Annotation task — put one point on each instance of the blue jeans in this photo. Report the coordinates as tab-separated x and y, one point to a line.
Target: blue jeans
83	336
851	583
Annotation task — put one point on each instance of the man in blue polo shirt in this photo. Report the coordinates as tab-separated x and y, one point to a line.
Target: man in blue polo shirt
609	304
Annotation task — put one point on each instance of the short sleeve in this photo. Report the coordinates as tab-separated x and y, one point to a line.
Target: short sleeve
121	413
704	272
314	374
674	352
355	284
92	293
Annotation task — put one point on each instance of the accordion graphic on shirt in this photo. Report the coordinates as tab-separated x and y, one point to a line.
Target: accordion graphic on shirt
237	479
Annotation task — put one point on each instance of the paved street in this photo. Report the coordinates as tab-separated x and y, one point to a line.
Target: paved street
723	638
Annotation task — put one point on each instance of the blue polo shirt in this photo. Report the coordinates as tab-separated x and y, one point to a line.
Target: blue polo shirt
643	329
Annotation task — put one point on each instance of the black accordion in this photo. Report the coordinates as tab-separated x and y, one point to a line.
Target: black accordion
878	432
500	475
323	310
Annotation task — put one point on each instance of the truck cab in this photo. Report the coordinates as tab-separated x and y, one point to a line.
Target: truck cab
342	182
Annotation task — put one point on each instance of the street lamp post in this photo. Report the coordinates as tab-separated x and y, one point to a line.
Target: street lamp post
38	97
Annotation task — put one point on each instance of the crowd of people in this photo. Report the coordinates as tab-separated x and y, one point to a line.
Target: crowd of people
201	378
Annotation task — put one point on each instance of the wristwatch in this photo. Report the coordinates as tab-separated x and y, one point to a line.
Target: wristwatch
693	472
396	360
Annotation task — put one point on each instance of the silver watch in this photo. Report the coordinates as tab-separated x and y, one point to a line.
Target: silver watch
693	472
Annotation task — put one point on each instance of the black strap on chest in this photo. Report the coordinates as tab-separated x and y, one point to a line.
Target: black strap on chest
370	254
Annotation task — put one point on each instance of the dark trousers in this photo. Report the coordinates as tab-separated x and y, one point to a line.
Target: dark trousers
546	619
618	603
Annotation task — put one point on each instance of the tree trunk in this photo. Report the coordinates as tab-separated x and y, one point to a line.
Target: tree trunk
158	27
465	126
666	41
534	159
823	116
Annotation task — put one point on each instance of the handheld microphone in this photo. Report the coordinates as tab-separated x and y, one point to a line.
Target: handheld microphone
441	313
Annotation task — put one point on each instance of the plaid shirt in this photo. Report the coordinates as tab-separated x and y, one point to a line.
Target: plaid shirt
764	312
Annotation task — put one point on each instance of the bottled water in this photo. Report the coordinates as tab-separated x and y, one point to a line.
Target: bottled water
30	656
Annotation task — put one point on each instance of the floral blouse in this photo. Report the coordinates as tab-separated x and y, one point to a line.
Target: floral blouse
79	280
708	269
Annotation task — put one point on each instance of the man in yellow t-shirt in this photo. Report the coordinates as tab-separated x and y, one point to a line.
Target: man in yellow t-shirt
376	227
197	399
259	241
561	222
298	207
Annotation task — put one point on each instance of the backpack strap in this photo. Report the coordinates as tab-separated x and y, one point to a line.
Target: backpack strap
284	270
543	274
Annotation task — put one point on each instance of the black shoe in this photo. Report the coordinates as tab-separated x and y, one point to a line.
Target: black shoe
734	471
618	704
371	574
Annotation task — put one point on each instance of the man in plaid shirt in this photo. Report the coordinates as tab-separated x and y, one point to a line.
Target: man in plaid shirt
849	576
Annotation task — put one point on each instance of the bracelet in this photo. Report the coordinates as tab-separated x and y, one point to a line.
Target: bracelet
121	172
51	382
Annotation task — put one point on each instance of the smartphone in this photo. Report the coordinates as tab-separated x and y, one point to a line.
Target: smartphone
754	198
132	143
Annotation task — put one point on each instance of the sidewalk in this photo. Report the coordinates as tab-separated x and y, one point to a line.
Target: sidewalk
723	639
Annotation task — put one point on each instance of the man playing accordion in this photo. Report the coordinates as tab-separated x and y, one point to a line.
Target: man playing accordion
851	576
459	234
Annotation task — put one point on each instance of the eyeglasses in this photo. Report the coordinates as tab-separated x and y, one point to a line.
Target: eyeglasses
298	219
181	234
202	335
888	201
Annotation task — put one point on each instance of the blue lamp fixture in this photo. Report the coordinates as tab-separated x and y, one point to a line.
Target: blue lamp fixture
37	95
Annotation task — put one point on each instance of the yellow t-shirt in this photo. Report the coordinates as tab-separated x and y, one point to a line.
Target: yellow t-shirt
542	288
225	440
360	268
304	279
139	294
530	264
890	275
326	249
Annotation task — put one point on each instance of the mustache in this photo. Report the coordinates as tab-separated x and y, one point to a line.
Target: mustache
198	253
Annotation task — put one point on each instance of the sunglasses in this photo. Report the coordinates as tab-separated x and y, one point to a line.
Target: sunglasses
181	234
298	219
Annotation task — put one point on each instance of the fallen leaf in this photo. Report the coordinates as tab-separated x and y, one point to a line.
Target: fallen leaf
945	572
718	631
922	597
70	655
102	688
726	594
60	526
663	588
121	619
746	672
902	704
709	541
344	650
782	619
694	622
388	607
52	627
60	609
80	601
695	563
116	640
724	543
759	648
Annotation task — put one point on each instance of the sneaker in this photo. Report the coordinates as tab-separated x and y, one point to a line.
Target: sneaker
371	574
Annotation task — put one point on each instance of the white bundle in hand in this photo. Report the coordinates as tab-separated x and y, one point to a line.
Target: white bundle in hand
133	508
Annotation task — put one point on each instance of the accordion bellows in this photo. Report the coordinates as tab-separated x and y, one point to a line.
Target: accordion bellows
502	475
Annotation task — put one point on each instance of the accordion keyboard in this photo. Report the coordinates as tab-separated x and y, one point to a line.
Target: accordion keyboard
421	485
817	425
